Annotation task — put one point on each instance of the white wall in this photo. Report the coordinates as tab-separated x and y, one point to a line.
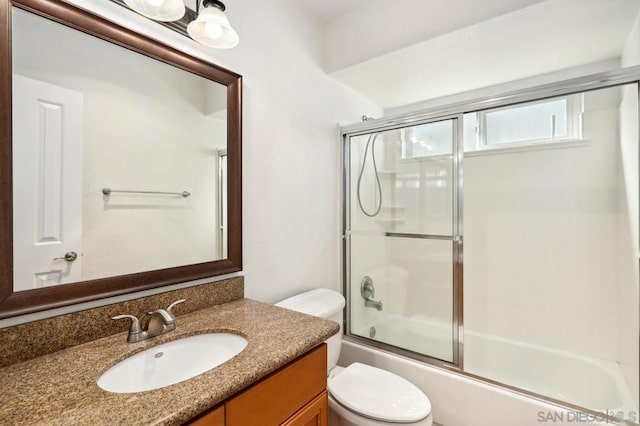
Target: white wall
541	241
291	152
545	37
380	26
144	129
509	86
628	221
631	53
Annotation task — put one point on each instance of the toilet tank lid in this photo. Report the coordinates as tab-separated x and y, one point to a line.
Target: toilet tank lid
321	302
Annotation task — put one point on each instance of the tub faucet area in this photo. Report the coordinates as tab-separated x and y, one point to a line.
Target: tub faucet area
368	291
373	304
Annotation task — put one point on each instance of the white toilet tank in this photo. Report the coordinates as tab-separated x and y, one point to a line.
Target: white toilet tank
322	303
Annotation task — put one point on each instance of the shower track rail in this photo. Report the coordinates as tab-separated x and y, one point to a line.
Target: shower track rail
567	87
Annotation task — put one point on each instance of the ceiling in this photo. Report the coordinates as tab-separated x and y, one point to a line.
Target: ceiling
330	9
544	37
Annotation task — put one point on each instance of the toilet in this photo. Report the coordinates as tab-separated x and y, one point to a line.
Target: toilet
361	395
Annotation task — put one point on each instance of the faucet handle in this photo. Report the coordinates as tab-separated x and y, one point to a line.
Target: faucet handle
174	304
135	323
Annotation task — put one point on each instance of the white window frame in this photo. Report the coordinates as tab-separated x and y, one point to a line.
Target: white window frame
574	125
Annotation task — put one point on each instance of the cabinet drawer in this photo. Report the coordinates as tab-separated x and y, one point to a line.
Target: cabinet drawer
314	413
279	396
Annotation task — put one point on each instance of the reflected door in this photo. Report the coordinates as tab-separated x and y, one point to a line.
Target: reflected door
47	196
402	238
222	204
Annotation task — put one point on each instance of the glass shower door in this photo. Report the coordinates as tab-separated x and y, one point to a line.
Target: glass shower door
402	238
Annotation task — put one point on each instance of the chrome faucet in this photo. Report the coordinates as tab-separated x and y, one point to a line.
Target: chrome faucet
161	321
373	304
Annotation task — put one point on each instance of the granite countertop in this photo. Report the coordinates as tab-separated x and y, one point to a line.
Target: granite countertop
61	389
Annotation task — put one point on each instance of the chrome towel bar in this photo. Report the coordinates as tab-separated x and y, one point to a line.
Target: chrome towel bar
108	191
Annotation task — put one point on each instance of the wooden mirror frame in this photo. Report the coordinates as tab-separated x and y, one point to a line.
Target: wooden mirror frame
23	302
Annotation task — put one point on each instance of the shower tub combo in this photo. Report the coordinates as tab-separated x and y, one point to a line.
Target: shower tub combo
560	375
475	290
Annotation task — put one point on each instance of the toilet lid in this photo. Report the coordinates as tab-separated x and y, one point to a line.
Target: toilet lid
379	394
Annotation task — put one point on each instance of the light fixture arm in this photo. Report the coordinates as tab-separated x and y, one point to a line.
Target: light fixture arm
214	3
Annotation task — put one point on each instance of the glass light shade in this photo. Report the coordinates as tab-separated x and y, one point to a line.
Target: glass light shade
212	28
159	10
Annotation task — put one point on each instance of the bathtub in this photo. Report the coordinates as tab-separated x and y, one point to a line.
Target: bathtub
572	378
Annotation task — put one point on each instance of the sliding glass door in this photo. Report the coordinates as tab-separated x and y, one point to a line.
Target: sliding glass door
402	237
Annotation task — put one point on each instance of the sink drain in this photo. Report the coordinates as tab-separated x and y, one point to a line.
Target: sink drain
159	354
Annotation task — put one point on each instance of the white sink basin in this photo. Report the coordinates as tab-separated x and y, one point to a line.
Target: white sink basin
171	362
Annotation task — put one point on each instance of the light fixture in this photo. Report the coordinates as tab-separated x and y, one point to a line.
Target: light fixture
207	25
158	10
212	28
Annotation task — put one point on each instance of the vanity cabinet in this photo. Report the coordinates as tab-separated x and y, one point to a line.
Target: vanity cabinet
214	417
313	414
295	395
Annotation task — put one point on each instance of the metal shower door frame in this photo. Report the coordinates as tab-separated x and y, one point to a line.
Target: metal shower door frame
456	238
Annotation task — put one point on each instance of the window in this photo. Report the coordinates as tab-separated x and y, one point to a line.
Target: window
532	123
522	125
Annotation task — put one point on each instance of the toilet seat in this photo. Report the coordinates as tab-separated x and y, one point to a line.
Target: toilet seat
378	394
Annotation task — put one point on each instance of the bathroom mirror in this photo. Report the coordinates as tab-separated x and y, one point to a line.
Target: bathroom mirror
121	160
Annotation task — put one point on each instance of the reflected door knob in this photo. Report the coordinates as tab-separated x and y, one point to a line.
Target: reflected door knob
68	257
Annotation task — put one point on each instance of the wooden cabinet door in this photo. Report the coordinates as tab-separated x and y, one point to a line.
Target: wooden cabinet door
276	398
314	413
